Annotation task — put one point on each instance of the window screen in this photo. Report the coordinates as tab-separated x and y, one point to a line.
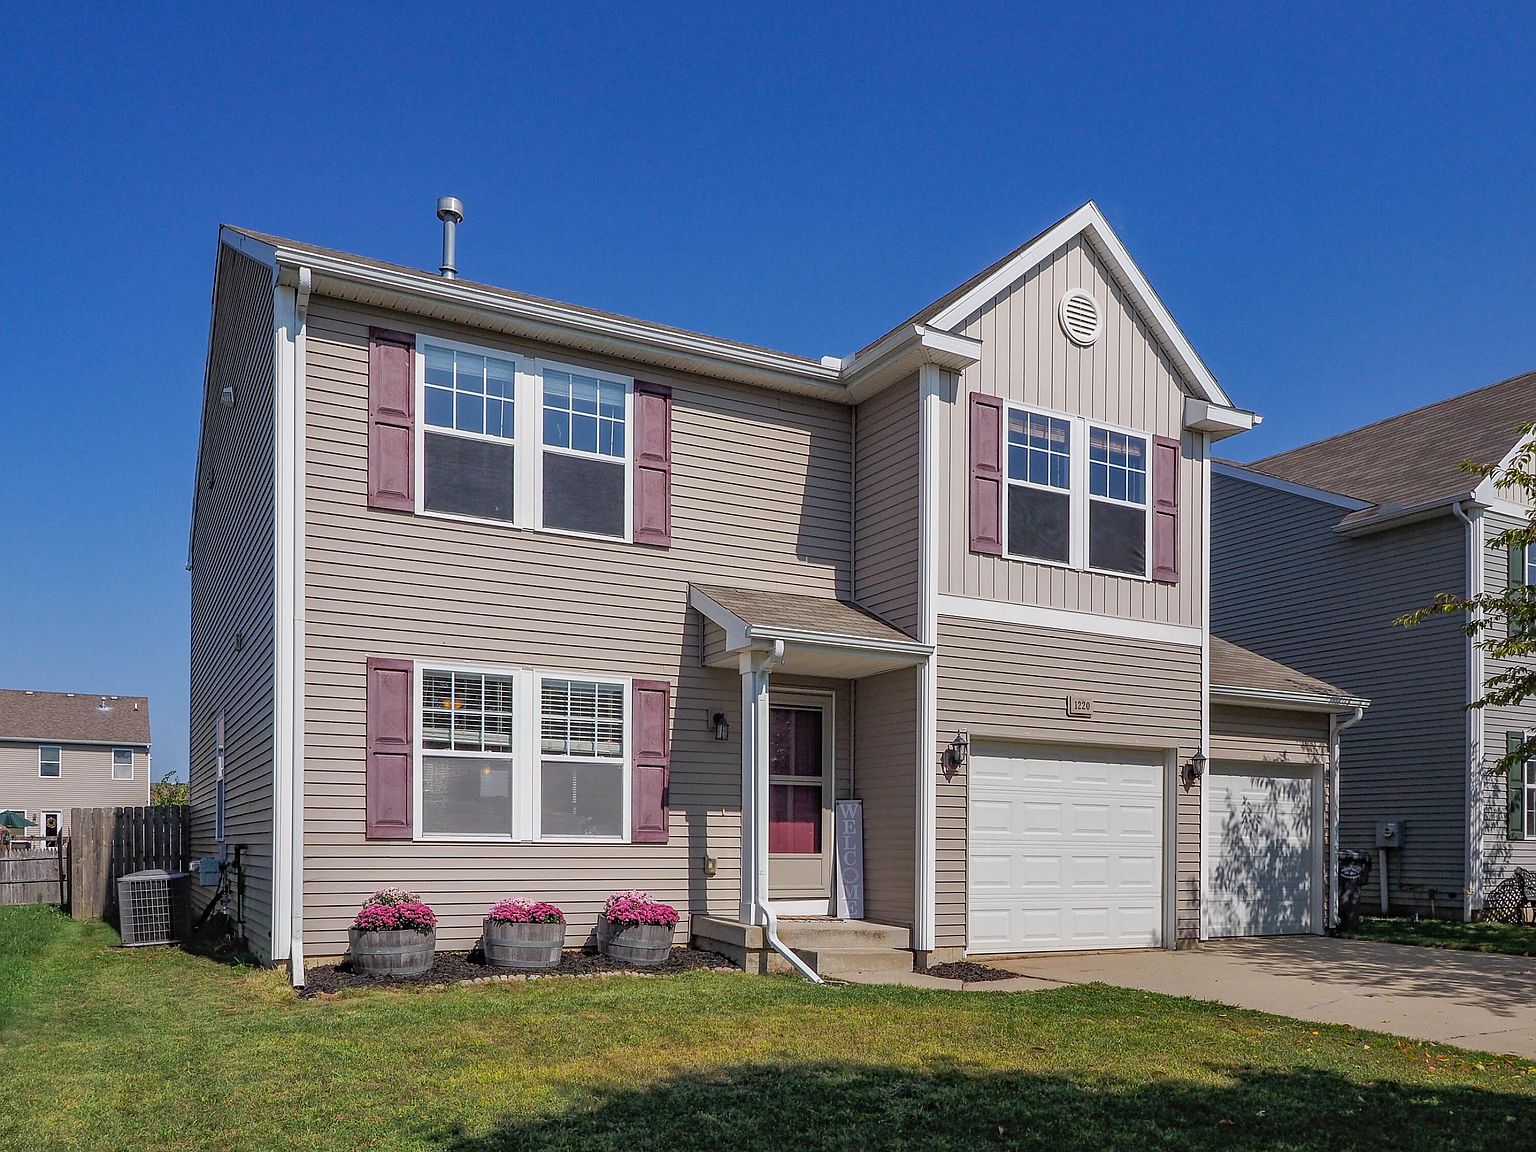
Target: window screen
1117	505
1039	523
581	799
468	477
49	760
464	796
584	494
122	763
1117	538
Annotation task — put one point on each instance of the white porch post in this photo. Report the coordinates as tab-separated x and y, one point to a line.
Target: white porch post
756	668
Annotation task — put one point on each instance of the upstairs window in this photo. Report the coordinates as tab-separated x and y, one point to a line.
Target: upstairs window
122	763
583	769
1039	454
585	480
1117	502
468	760
469	454
49	761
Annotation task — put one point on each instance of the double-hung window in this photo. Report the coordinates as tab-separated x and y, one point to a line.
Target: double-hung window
469	442
468	753
1078	493
49	761
1528	777
1118	525
524	442
122	763
514	754
1039	486
582	767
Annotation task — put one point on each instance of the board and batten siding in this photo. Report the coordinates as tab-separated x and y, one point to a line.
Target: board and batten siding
1125	379
1501	855
84	780
885	736
1284	738
885	505
1289	587
761	498
232	658
1002	683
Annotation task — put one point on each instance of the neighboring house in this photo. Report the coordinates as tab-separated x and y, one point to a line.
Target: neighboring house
1319	550
65	750
493	596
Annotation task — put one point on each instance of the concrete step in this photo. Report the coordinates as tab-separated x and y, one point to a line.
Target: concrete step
828	935
841	962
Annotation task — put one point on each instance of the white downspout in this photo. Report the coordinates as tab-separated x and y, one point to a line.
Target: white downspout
296	731
1336	729
1472	895
756	671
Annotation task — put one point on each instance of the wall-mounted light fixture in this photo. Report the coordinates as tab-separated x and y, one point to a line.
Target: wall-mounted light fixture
958	753
1194	769
721	725
227	396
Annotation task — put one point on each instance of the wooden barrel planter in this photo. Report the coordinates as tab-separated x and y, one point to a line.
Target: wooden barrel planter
643	945
393	953
522	946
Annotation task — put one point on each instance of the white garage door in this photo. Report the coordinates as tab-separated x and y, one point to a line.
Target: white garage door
1260	850
1066	849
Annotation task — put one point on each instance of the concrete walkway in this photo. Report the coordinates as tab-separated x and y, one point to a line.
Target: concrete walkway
1469	999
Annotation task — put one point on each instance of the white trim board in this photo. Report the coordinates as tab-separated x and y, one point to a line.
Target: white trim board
1089	221
1264	480
1034	616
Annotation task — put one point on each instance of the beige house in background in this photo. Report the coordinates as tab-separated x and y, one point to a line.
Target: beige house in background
65	750
498	596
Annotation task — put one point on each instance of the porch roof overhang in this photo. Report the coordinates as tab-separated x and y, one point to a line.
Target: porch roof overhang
821	636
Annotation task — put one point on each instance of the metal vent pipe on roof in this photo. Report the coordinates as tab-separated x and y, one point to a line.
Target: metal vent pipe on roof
451	212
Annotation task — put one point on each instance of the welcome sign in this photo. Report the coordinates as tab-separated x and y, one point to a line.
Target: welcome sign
849	852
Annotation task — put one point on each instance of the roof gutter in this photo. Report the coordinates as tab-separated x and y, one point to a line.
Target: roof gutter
1394	515
1299	701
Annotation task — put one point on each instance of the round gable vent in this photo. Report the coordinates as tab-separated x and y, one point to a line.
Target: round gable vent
1080	317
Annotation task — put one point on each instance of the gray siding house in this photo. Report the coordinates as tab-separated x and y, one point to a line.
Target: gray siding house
65	750
1316	552
499	596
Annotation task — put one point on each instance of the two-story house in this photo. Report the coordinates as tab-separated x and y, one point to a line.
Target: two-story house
494	595
1318	551
65	750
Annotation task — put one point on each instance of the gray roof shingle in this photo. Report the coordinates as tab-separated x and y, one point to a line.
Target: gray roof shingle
1236	667
68	717
802	613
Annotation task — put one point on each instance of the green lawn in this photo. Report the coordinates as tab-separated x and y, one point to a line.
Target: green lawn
102	1048
1483	936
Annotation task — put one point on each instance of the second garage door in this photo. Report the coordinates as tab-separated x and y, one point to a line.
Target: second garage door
1066	849
1261	852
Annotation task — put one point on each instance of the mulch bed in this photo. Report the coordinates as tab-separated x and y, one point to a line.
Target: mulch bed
969	972
471	968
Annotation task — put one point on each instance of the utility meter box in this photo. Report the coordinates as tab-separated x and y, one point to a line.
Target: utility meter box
207	871
1391	833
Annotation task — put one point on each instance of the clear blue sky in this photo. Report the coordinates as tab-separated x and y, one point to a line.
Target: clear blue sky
1338	209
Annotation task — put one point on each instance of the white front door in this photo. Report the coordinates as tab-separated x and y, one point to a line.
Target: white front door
1066	849
1261	849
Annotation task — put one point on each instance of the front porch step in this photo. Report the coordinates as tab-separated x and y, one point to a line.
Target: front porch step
839	963
838	935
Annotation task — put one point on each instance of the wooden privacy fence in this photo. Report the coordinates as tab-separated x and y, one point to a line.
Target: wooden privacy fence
106	844
37	876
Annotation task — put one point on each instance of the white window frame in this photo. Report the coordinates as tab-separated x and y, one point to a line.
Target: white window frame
527	442
1145	505
628	384
58	760
1078	494
122	779
1528	795
622	763
220	798
526	755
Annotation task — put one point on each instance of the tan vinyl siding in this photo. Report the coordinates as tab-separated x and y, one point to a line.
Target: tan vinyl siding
1501	854
885	505
885	742
761	498
232	595
84	780
1125	379
1289	587
1002	683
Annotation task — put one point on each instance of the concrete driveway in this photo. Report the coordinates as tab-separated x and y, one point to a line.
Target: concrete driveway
1465	998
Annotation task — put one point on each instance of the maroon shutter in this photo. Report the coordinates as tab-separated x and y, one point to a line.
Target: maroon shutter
986	474
652	720
391	704
391	420
1165	510
653	465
